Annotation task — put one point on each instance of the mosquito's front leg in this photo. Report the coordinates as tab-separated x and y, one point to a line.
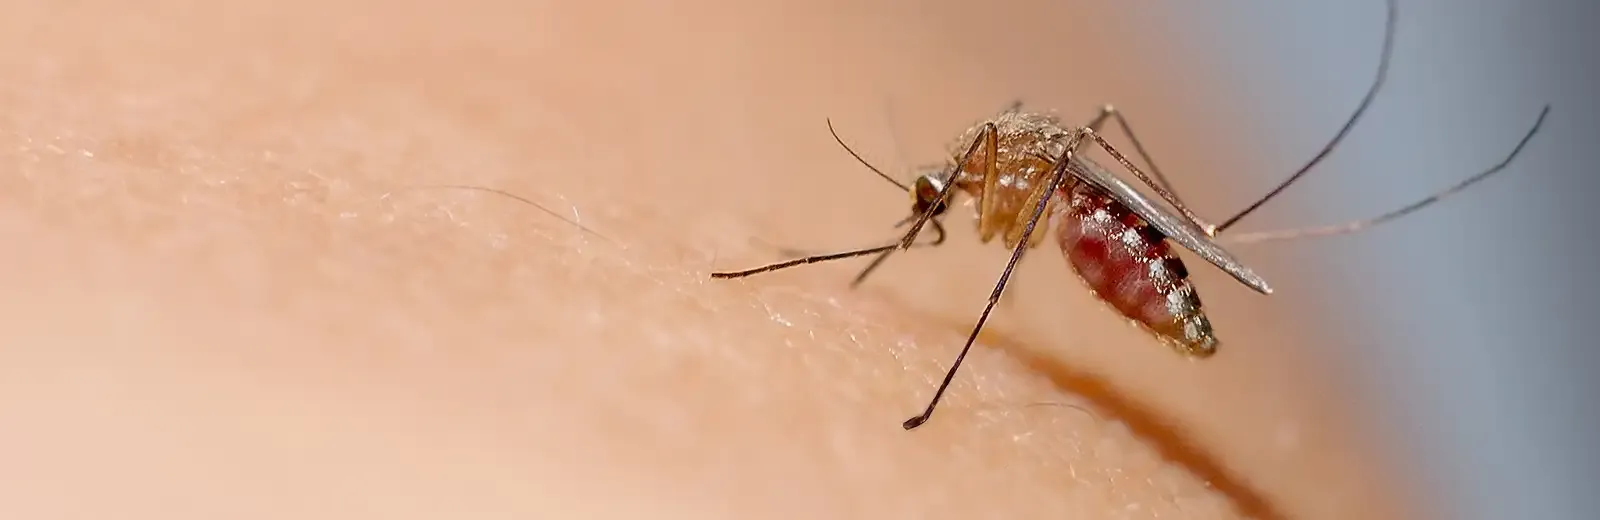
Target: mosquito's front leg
986	141
1058	174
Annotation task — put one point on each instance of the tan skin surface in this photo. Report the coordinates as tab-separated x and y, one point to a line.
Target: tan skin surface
223	302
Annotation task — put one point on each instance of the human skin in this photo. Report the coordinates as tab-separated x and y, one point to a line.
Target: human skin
232	295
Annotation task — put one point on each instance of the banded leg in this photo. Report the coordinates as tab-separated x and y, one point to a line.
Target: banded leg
1366	101
1164	186
1358	225
938	239
1145	178
807	260
1110	113
1353	225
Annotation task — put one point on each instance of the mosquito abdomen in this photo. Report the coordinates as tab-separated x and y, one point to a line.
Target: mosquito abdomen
1128	264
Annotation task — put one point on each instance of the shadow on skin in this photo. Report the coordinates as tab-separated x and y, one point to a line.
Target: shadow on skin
1147	424
1109	403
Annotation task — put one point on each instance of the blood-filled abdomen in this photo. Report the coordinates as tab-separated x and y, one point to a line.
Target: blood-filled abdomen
1128	264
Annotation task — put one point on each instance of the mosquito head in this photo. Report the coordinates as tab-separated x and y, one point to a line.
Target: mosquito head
925	190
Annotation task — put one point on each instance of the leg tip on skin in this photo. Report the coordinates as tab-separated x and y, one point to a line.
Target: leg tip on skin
914	422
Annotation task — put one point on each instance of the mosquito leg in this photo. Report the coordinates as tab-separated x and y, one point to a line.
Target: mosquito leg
811	259
1012	108
938	230
876	261
907	242
1165	194
1358	225
1110	113
986	139
938	239
1366	101
1058	173
939	236
806	260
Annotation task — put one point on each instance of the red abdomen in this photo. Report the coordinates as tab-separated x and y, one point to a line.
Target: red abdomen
1128	264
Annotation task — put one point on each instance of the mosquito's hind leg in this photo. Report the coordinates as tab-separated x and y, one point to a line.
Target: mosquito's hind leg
1110	113
1165	194
1058	174
1385	56
1358	225
1161	183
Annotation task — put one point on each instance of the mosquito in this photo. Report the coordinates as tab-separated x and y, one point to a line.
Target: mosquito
1020	166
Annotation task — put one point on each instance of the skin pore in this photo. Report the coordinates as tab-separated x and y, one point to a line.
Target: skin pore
231	293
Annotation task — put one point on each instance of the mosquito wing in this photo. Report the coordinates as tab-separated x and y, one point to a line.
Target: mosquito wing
1178	228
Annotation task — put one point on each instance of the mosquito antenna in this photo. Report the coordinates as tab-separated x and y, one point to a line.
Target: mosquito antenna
1358	225
864	162
1366	101
916	220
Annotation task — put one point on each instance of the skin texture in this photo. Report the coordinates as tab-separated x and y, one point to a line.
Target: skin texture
227	297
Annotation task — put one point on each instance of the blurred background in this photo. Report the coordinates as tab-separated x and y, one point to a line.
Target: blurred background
1464	330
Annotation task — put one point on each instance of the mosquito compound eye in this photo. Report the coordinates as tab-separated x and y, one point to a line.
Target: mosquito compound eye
924	192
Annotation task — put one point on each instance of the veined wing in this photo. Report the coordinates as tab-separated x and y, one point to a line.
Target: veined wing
1178	228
